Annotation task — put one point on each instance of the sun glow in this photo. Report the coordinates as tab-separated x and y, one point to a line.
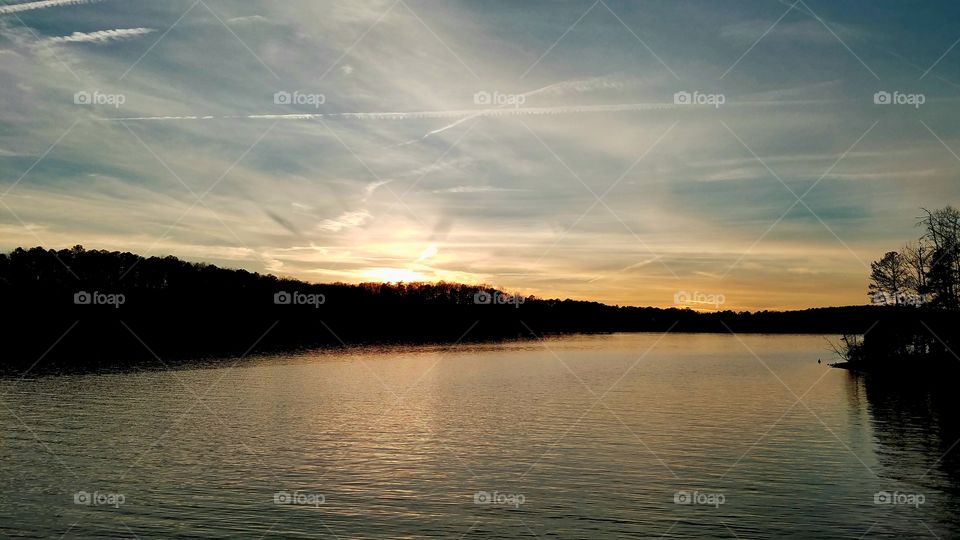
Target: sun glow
393	275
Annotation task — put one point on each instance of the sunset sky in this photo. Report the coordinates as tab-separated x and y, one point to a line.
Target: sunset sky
586	180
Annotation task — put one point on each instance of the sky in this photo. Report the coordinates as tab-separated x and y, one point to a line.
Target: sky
625	152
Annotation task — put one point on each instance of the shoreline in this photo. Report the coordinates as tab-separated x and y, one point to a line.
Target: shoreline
214	361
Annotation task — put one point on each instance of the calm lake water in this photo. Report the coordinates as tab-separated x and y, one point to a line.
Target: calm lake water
575	437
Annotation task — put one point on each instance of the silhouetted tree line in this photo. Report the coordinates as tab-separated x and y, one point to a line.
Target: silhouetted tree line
75	309
920	287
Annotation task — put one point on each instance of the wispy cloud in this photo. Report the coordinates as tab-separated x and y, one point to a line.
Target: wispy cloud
43	4
477	189
807	31
346	220
463	114
251	19
372	187
558	89
579	86
283	222
303	190
100	36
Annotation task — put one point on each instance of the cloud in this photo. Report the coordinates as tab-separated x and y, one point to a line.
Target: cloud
497	204
806	31
557	89
346	220
29	6
438	166
251	19
579	86
477	189
428	252
283	222
100	36
370	188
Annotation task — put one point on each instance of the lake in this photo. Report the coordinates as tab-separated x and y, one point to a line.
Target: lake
612	436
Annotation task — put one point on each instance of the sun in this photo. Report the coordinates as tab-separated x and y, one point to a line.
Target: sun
393	275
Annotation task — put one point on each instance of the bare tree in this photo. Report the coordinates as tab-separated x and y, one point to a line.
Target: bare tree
942	232
889	278
916	255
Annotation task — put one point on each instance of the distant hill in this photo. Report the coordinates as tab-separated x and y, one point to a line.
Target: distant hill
76	309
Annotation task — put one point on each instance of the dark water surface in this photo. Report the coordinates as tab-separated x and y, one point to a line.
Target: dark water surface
576	437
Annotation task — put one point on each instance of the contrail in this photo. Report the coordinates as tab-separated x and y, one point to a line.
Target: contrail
466	114
560	86
43	4
463	114
100	36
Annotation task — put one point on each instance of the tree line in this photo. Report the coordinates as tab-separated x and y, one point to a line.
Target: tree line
79	309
